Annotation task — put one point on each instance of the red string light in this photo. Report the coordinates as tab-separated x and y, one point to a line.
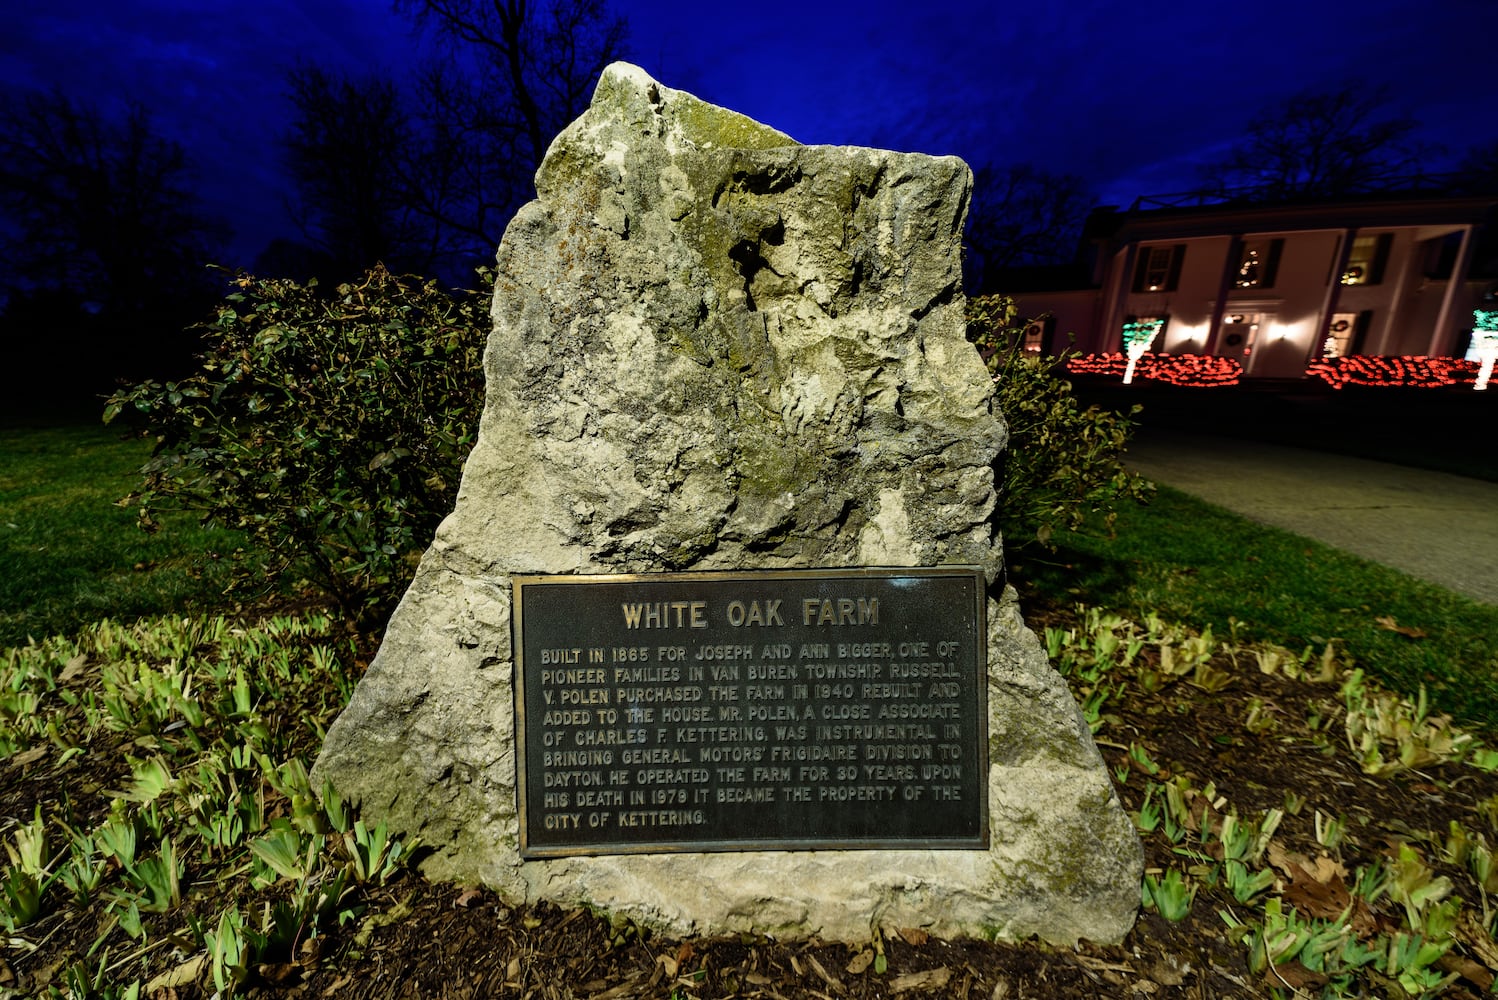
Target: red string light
1202	370
1195	370
1416	372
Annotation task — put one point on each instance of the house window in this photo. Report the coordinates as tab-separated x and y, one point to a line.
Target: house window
1440	256
1366	262
1346	333
1159	268
1258	264
1034	338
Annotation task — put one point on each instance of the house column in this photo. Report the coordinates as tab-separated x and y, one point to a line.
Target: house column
1229	266
1397	300
1440	338
1333	290
1119	287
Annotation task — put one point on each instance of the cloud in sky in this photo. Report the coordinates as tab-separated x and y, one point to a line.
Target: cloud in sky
1128	96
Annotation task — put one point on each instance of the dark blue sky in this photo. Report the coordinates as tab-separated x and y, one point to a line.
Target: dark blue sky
1128	95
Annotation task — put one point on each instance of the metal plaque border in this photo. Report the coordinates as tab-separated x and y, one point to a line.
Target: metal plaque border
519	582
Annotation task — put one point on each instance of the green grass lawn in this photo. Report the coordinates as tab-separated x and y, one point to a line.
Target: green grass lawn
69	555
1189	561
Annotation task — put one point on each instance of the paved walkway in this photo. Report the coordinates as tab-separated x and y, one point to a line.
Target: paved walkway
1439	527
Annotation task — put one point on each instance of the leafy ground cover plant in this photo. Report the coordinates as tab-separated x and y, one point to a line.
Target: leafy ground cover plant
1366	874
1307	834
330	429
163	831
1063	463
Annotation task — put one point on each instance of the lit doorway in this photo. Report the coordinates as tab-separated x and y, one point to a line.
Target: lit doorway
1237	335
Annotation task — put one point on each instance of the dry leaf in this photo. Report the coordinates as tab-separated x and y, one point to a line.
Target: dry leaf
466	898
1285	860
669	964
280	973
931	979
1296	975
1327	900
1472	933
338	985
832	981
1167	973
1322	869
914	936
1388	622
860	962
29	756
630	987
74	667
183	975
1469	970
1327	869
1316	888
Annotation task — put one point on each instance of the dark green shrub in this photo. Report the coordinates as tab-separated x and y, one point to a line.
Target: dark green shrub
1063	463
332	430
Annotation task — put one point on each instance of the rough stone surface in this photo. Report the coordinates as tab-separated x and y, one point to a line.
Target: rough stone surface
714	348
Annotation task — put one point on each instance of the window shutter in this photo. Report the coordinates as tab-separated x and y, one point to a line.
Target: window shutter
1141	266
1360	331
1272	265
1177	258
1380	258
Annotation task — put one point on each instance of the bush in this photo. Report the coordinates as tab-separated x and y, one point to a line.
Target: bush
1063	463
332	430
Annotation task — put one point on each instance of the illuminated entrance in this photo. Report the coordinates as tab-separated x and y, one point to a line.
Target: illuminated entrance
1237	336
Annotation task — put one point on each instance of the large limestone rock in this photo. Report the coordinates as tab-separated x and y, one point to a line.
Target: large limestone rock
714	348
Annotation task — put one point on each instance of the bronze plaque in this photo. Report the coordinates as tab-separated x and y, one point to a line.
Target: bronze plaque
823	709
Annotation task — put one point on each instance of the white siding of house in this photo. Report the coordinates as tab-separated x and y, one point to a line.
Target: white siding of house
1292	308
1189	306
1406	312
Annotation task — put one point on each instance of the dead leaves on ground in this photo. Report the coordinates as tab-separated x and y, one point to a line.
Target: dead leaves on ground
1409	631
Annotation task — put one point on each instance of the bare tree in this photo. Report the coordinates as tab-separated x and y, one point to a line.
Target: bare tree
102	253
1022	215
349	151
98	208
1318	145
538	60
521	70
1478	169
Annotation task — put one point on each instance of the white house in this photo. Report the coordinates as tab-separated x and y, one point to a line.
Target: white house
1277	287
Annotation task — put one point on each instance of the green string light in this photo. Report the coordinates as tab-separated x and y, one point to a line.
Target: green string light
1485	327
1140	333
